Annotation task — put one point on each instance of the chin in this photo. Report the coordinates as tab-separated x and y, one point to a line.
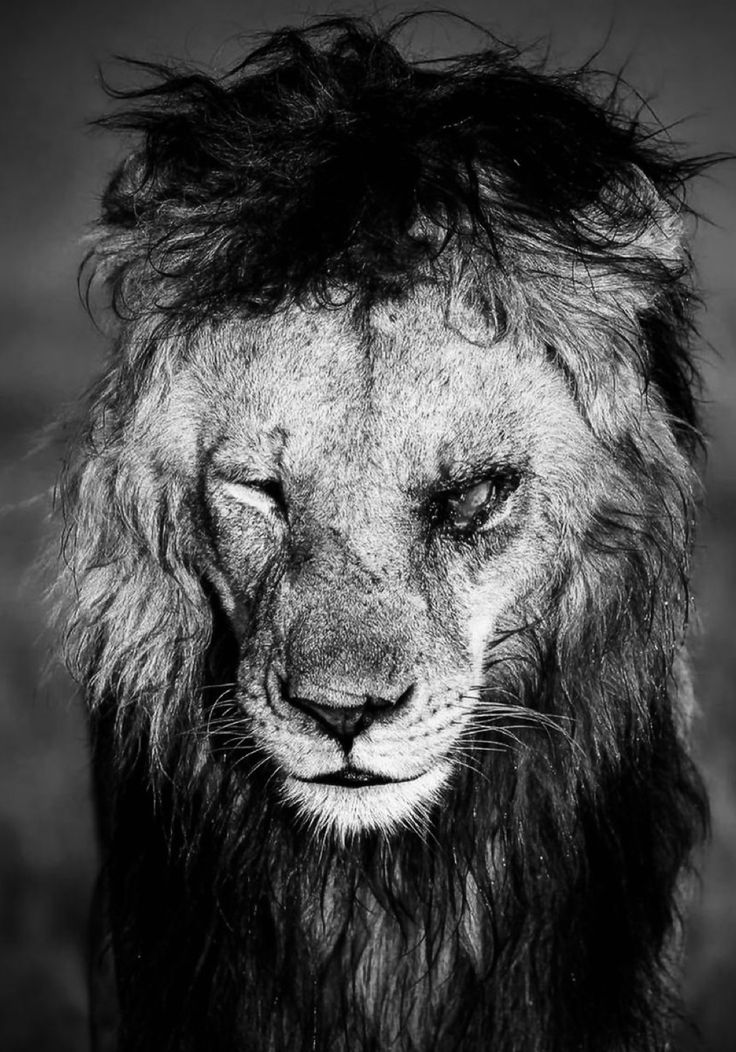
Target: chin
344	811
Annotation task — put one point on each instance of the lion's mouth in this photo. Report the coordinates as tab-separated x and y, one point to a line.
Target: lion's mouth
352	779
352	801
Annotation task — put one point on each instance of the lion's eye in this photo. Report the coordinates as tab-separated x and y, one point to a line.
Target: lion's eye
264	495
476	507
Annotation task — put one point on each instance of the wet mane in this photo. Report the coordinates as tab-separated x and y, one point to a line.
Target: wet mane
539	910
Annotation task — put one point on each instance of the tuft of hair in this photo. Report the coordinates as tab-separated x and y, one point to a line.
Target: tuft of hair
327	168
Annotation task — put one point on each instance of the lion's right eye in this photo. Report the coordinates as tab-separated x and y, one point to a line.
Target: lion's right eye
264	495
477	507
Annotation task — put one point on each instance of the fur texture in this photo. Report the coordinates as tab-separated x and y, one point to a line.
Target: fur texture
291	252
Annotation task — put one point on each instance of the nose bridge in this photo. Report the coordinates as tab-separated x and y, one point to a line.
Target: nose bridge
367	553
348	632
363	528
353	533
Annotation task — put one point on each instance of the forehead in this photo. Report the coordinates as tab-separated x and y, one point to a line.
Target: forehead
410	383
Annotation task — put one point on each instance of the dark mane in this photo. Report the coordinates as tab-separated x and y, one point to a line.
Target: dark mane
327	166
539	910
243	925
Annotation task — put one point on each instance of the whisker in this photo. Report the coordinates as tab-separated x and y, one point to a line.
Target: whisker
465	761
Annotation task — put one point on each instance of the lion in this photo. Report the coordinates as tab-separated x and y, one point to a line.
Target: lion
376	563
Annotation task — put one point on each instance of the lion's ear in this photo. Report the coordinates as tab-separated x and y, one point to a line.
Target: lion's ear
638	224
113	269
665	236
619	319
128	193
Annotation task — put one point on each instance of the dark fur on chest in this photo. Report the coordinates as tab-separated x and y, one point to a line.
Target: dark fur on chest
528	919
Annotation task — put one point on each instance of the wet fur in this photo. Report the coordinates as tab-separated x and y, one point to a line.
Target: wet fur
548	921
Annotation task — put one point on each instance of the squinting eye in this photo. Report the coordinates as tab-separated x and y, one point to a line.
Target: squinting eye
264	495
477	507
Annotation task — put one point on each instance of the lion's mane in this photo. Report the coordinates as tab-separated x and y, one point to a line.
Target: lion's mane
326	168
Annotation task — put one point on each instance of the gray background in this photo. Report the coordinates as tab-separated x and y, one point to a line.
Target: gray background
51	170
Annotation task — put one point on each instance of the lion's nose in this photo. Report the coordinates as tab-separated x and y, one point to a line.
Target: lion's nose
346	722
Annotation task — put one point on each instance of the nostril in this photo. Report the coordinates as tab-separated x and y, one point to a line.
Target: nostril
405	696
408	693
375	702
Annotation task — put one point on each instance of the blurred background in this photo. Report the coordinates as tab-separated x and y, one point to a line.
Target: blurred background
678	54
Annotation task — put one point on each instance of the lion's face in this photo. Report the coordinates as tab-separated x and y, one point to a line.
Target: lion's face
379	505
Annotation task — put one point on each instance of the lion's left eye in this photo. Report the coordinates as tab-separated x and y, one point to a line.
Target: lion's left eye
476	507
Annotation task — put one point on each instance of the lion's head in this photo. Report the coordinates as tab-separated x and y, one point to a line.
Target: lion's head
381	530
376	504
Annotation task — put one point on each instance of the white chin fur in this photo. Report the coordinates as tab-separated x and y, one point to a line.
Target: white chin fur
346	811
